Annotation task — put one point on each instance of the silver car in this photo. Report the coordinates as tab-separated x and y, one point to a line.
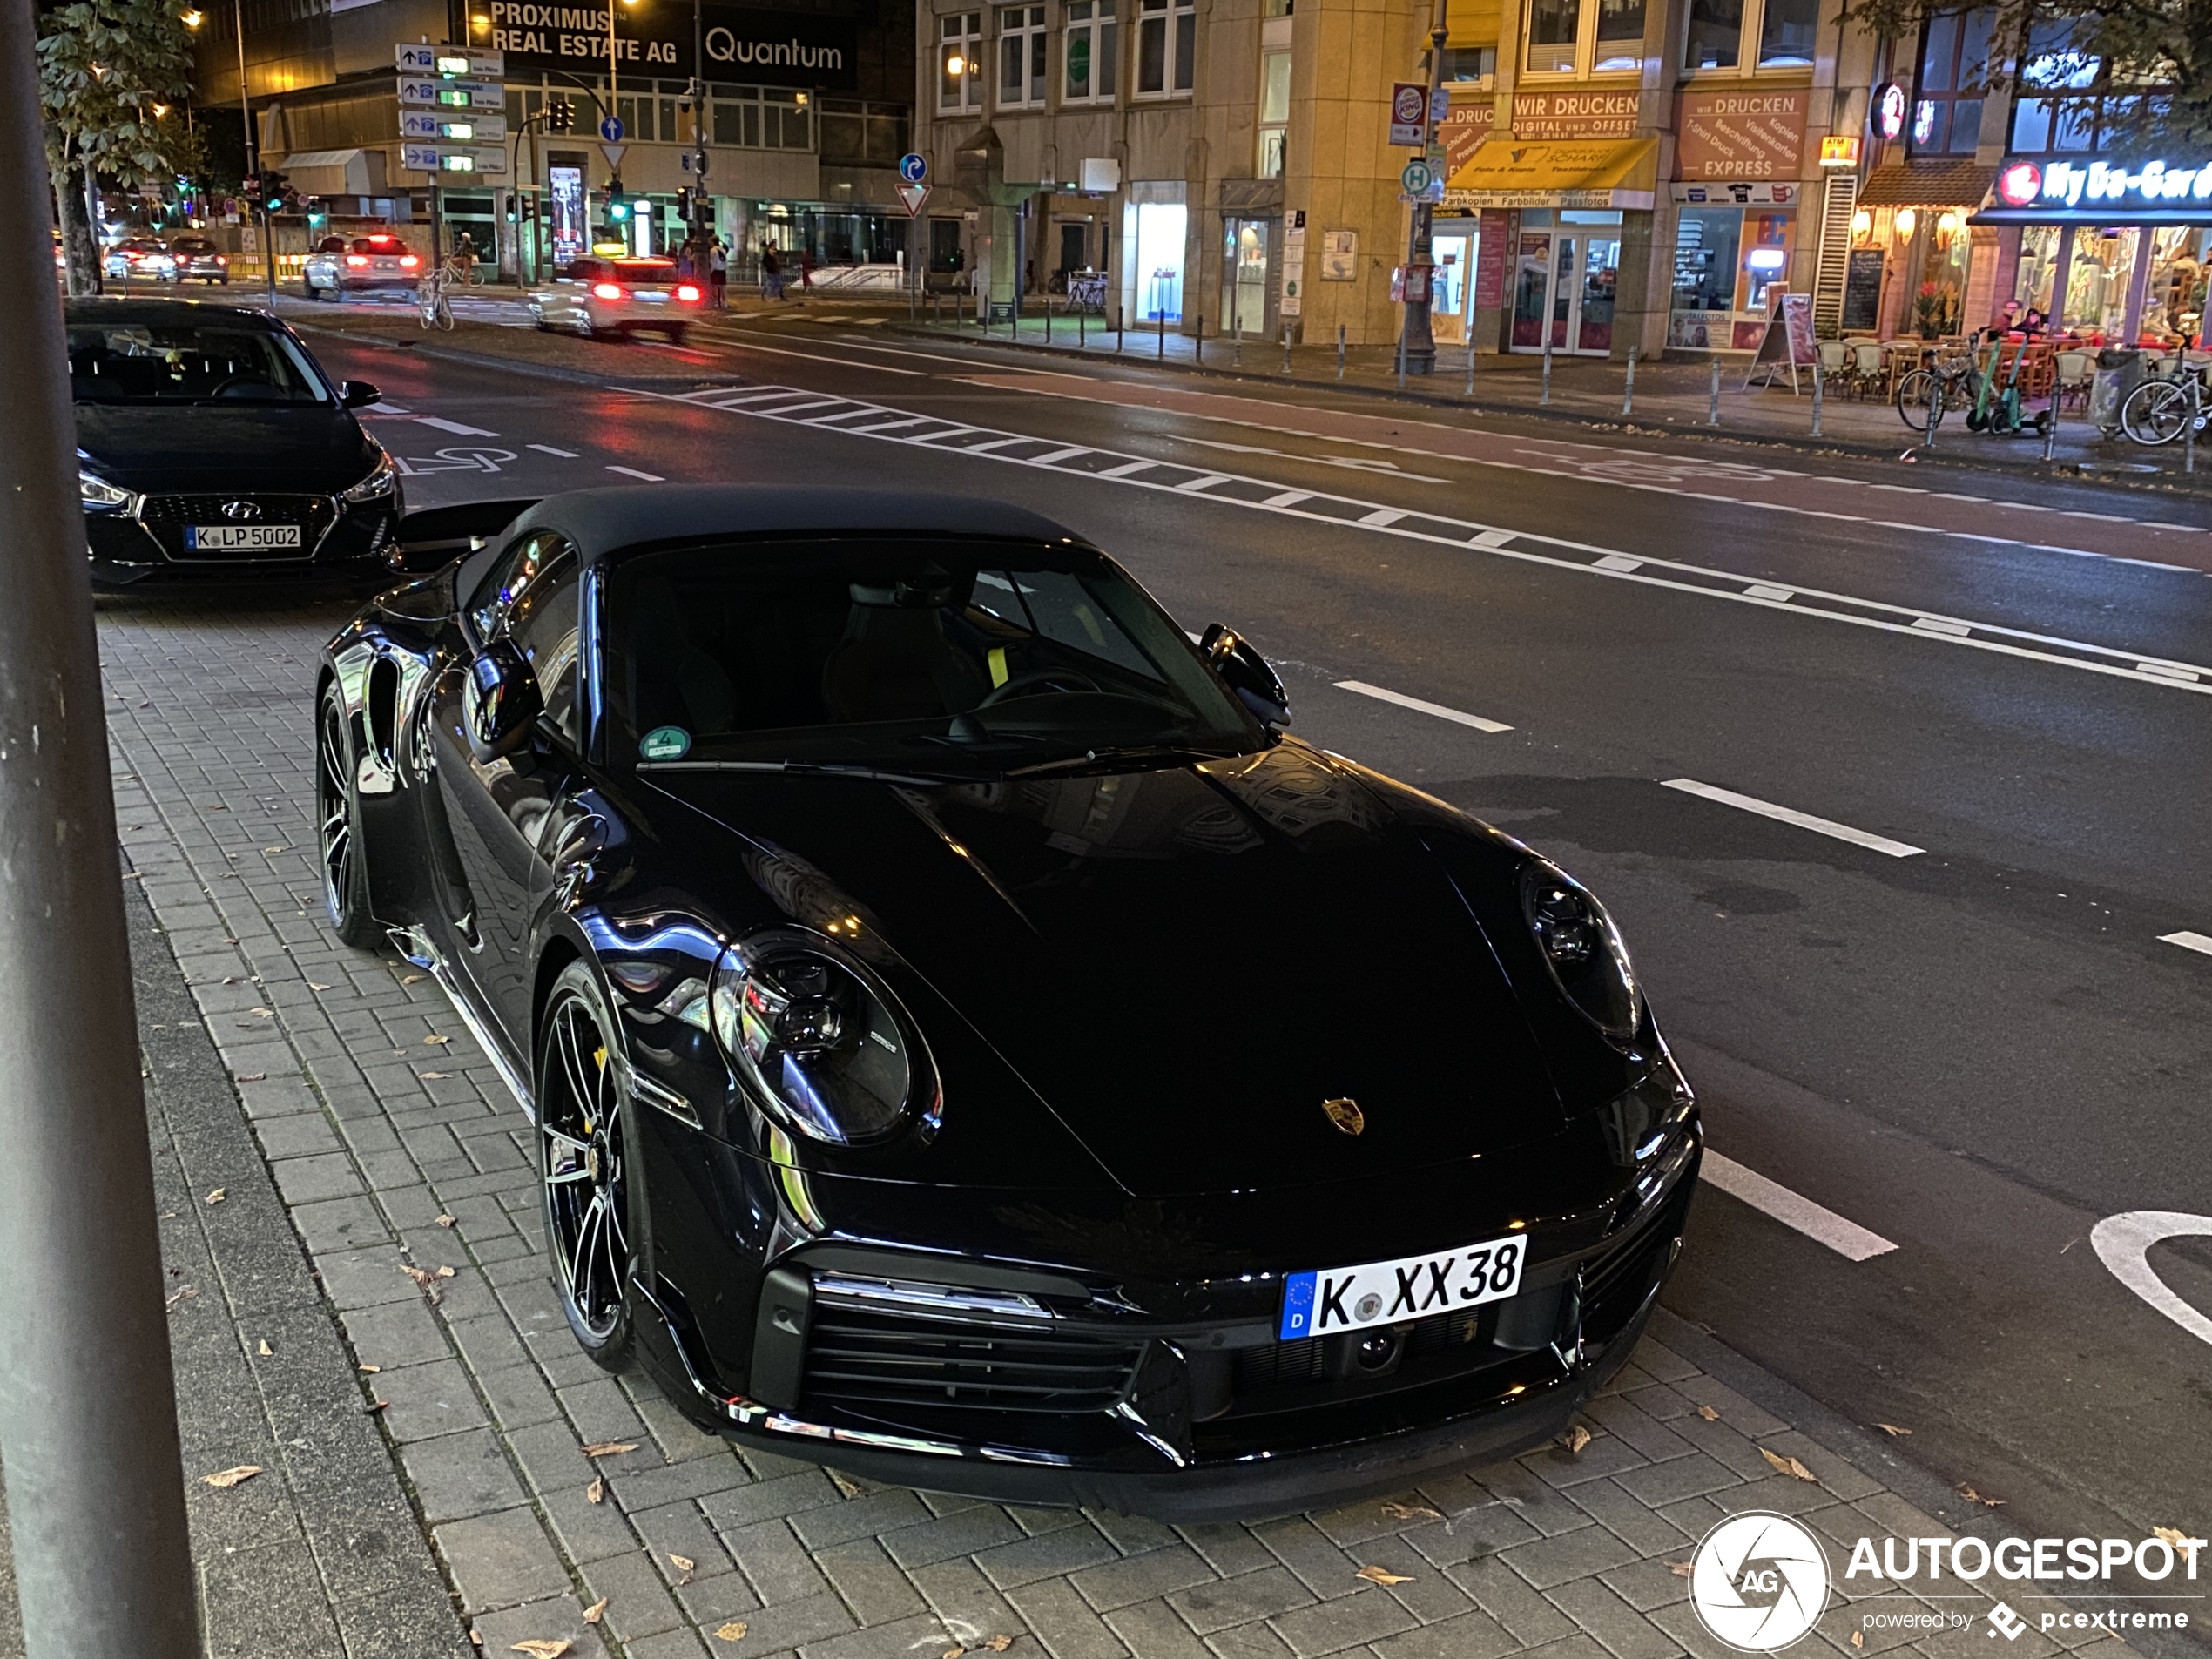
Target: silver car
343	265
619	297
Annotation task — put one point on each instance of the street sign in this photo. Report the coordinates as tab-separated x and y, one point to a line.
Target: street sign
452	126
478	160
912	197
452	95
614	153
1439	106
426	59
610	128
1409	103
1417	177
913	168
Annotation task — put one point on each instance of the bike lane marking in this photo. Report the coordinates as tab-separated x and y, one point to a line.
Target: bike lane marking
1734	483
2123	1243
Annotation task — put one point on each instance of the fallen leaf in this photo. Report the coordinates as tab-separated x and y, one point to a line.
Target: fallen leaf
543	1649
1382	1575
998	1644
475	1638
1411	1512
228	1478
216	1197
1574	1439
266	1351
1789	1466
597	1492
434	1039
372	1370
1680	1569
445	1221
733	1631
592	1613
952	1653
266	1014
249	1076
1972	1496
1892	1430
2171	1535
410	979
313	986
608	1448
185	1294
1858	1638
375	1407
432	1077
845	1485
273	849
685	1563
1708	1414
444	1272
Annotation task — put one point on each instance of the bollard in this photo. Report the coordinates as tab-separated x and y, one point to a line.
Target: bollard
1401	358
1286	348
1628	387
2188	431
1935	412
1470	391
1817	385
2051	422
1339	351
1544	398
1048	323
1118	331
1163	336
1713	398
1083	329
1236	321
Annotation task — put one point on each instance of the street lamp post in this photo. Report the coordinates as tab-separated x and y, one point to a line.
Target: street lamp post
1419	344
698	132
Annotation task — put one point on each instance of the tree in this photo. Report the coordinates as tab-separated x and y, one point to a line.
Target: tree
2153	58
112	75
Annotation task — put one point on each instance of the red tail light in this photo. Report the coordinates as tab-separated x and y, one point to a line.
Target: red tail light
685	292
222	260
408	261
608	291
357	258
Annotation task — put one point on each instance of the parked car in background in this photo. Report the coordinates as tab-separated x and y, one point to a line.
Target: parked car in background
138	256
196	257
343	265
619	297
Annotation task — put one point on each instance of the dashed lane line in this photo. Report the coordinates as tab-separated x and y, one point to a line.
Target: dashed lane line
2188	940
548	450
1421	705
632	472
1261	495
1847	1237
1790	815
460	429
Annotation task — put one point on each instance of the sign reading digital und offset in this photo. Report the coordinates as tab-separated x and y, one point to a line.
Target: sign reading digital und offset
1739	135
759	48
1574	115
2161	191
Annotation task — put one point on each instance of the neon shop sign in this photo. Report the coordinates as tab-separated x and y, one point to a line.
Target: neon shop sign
2023	184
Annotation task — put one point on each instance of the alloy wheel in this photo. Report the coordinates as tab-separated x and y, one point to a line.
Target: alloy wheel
334	809
583	1160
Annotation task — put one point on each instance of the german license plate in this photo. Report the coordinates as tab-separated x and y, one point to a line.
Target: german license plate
1413	1287
239	538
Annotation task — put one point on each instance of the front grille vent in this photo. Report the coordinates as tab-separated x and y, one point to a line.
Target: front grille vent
1306	1359
867	1360
166	517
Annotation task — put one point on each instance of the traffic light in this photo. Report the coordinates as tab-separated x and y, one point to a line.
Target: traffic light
318	215
560	116
617	203
269	190
684	202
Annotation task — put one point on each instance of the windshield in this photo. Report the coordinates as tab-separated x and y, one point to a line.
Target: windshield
929	656
187	361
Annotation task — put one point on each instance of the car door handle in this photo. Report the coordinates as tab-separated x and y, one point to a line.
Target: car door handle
577	842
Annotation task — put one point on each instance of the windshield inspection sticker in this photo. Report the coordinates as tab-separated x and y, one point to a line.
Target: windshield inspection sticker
664	743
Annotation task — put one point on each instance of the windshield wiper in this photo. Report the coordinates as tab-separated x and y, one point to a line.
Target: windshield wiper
812	768
1110	753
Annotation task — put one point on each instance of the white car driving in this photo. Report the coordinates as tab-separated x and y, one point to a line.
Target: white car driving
618	296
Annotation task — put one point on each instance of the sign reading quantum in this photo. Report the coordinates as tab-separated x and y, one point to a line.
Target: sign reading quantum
754	47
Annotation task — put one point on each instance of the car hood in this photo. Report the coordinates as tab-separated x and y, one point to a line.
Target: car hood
1184	963
210	448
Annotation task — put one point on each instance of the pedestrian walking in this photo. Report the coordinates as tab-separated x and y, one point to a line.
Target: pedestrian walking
806	269
717	272
772	273
687	264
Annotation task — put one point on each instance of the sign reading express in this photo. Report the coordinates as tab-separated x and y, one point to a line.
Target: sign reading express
759	48
1739	135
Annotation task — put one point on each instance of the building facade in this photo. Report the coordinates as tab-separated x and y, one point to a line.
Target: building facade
1652	174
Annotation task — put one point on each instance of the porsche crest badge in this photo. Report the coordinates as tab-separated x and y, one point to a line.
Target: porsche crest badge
1345	1115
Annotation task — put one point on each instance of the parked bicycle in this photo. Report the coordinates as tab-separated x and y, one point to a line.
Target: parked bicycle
1957	379
432	309
2161	408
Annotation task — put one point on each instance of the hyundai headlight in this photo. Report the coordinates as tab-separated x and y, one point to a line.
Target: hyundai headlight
97	493
1582	949
824	1045
383	478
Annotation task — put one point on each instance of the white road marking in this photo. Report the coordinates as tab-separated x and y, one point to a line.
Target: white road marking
1943	625
1281	498
2122	1243
995	443
454	426
548	450
894	426
1761	590
1384	516
1358	463
2162	668
1791	815
1493	538
1620	562
1847	1239
1421	706
2188	940
842	362
1205	482
1131	468
1059	456
632	472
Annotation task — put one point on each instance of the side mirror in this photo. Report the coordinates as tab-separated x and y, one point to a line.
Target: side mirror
358	395
1246	672
499	701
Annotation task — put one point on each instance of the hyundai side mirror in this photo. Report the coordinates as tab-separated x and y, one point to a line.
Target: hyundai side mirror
500	701
1246	673
358	395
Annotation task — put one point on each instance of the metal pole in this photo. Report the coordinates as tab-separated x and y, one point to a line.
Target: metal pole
698	144
1418	343
1628	388
1935	410
2051	417
88	1411
1544	399
1163	333
1470	391
1339	351
1286	348
2188	431
1236	321
1401	355
1713	398
1818	382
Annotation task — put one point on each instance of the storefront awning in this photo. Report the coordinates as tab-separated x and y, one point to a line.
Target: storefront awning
336	172
1927	183
1572	172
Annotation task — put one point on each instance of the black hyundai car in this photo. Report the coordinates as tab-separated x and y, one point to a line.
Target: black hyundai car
211	443
970	1039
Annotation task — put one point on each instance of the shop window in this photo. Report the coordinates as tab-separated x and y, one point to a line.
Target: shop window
1716	28
1470	63
1954	71
2173	302
959	37
1620	35
1274	111
1700	311
1022	49
1553	25
1580	37
1089	52
1717	31
1167	47
1158	232
1786	31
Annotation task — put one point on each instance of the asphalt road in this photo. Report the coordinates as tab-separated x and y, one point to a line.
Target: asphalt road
1977	1050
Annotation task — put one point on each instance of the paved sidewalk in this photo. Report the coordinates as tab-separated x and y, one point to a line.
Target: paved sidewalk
391	1146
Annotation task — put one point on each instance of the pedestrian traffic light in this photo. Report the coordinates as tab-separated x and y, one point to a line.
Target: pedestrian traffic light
560	116
617	203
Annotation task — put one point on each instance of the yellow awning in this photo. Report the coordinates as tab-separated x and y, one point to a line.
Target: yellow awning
1568	172
1479	23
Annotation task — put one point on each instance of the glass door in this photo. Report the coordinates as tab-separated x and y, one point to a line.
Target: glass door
1566	296
1531	290
1244	277
1454	252
1593	305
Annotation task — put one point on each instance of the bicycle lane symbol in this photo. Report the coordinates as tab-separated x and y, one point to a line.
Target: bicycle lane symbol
460	460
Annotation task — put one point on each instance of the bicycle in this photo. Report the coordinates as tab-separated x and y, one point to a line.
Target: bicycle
1960	379
468	272
432	310
2157	411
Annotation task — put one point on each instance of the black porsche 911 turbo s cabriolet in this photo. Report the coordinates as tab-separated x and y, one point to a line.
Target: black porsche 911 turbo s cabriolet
970	1041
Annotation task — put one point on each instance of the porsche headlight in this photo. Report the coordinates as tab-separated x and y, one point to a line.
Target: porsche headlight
97	493
824	1044
383	478
1582	949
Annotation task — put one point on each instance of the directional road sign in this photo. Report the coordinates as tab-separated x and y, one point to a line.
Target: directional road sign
912	195
426	59
452	95
482	160
452	126
610	128
913	168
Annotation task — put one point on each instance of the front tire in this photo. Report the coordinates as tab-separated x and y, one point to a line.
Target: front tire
583	1165
338	819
